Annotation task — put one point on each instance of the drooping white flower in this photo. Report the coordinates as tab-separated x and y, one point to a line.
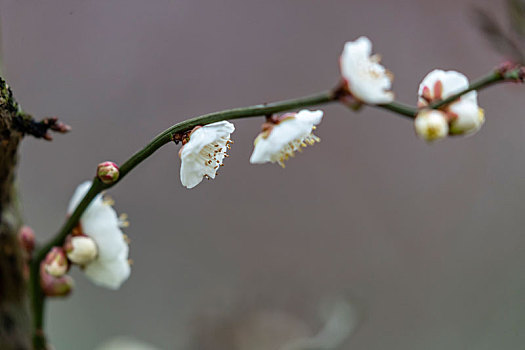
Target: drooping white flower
204	153
365	78
100	222
285	135
464	114
431	125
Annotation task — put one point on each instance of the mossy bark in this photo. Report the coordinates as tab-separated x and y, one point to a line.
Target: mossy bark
15	332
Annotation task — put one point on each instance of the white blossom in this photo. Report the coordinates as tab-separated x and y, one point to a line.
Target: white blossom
288	134
431	125
100	222
204	153
464	114
365	78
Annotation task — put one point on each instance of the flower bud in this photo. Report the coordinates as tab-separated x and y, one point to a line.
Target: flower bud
55	286
108	172
431	125
56	263
26	236
80	249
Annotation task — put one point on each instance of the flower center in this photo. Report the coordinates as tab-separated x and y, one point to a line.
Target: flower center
213	154
433	132
374	72
289	150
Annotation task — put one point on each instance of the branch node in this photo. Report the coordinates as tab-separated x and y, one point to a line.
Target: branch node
177	137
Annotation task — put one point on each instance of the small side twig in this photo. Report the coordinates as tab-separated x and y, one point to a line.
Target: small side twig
40	129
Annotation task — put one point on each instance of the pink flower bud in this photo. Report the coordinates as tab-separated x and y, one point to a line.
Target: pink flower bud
80	249
108	172
56	263
55	286
26	235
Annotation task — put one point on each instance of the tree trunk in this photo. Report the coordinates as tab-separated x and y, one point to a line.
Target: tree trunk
15	330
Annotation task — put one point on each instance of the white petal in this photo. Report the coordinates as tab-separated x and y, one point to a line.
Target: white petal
80	192
282	134
367	80
469	119
103	226
452	82
100	222
110	274
193	163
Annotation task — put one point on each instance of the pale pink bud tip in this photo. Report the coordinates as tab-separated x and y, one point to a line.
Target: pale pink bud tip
55	286
56	263
26	235
108	172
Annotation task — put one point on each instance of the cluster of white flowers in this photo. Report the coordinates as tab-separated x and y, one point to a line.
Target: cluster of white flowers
462	116
205	147
98	244
366	81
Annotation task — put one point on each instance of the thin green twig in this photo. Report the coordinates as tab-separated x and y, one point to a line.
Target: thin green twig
484	82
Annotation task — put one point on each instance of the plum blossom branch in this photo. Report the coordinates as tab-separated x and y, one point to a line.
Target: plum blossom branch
246	112
38	298
254	111
172	133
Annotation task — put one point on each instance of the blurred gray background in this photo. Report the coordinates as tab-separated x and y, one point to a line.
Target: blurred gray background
426	240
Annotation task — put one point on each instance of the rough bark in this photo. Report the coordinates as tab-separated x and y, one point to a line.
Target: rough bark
14	310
